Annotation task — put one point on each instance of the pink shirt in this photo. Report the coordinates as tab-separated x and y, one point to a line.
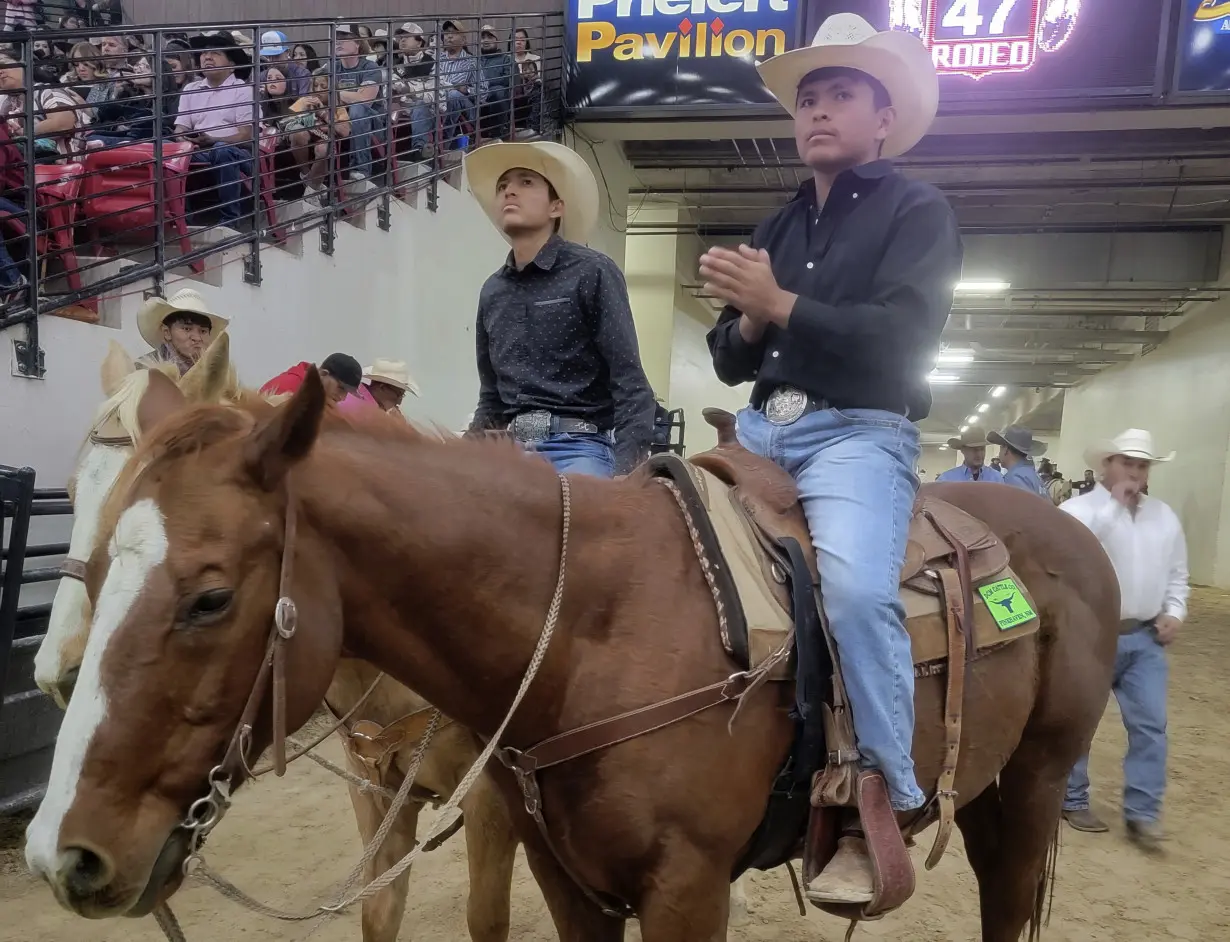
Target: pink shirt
358	401
218	110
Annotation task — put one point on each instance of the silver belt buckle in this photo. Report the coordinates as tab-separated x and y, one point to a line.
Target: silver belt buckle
785	405
532	426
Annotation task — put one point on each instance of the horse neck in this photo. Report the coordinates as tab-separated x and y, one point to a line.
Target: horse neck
446	557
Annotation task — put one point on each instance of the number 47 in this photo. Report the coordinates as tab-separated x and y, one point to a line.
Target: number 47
964	14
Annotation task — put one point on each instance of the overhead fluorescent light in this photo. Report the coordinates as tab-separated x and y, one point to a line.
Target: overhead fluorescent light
953	356
964	429
935	376
944	447
972	420
988	286
998	391
984	407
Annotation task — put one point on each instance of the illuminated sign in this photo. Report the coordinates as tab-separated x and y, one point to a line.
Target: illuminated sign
692	35
987	37
1202	63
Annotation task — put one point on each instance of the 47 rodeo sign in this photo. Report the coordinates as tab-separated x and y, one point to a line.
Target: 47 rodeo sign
645	53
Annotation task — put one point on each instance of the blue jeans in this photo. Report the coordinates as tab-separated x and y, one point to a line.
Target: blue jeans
365	121
1139	684
578	453
230	162
458	106
10	274
422	117
855	472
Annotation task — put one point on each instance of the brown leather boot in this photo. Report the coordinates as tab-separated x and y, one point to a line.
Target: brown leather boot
848	878
1083	819
1147	835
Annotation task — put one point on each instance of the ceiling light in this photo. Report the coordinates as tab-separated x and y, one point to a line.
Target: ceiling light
984	407
985	287
943	448
964	429
998	391
935	376
952	356
973	419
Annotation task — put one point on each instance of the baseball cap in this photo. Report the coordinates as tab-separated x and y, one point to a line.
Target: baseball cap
274	43
348	29
344	368
409	29
488	28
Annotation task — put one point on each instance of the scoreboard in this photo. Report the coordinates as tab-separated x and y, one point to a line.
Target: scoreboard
979	37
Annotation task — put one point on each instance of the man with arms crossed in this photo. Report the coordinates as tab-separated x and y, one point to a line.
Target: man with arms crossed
1144	540
558	363
835	313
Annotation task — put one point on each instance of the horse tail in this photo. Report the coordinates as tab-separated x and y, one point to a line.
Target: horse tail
1044	898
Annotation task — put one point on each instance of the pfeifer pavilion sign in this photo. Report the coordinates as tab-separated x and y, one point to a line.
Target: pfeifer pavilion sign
987	37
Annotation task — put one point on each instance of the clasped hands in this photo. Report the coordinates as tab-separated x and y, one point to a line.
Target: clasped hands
743	278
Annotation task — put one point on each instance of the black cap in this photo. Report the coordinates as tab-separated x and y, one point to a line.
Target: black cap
343	368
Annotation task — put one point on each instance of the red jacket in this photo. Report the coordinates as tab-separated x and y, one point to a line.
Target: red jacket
287	383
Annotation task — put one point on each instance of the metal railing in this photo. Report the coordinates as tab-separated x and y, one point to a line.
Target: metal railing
136	155
29	721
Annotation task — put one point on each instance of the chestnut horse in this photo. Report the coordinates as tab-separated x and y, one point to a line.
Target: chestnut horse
235	508
119	425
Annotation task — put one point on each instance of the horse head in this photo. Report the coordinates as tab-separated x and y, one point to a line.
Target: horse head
172	701
131	401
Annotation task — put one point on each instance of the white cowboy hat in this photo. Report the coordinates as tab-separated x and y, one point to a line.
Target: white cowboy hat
156	310
391	373
897	60
564	169
1134	443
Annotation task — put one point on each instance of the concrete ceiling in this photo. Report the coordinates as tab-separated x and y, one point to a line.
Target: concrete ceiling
1107	226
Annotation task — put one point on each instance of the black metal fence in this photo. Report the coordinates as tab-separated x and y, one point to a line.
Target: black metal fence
29	721
143	154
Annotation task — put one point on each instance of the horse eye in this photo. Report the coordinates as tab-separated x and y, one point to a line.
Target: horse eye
209	605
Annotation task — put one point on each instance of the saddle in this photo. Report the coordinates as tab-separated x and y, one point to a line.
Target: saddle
744	512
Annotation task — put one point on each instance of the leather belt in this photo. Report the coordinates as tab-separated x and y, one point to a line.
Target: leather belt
787	404
539	425
1128	625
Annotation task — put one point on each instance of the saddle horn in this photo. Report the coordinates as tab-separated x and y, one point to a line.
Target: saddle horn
724	422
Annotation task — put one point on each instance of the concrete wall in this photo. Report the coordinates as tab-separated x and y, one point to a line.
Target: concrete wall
693	385
409	293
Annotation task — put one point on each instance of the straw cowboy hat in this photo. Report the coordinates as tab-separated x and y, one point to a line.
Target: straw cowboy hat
564	169
392	373
1134	443
1019	439
897	60
973	438
156	310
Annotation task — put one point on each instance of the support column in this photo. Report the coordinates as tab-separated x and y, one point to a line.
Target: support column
649	266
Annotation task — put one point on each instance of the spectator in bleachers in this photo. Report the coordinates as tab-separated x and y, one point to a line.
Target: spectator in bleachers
314	117
216	114
380	47
179	68
60	117
305	54
178	329
340	373
98	14
527	101
73	22
358	82
461	80
414	88
521	47
21	15
275	50
128	116
86	71
293	139
13	202
497	67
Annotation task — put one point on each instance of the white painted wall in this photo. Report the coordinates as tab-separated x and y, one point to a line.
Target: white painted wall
409	293
694	387
1181	393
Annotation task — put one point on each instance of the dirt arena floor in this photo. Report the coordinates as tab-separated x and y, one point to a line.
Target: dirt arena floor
290	842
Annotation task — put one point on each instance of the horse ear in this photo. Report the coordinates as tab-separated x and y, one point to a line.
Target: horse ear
210	377
288	435
161	399
117	366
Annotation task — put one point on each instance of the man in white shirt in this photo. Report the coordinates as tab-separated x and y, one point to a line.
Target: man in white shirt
1144	540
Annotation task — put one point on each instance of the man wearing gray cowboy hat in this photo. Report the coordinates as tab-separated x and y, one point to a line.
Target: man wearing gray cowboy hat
558	363
1017	449
972	444
1145	543
834	312
179	329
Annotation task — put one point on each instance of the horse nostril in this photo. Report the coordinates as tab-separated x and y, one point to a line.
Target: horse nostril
84	871
64	686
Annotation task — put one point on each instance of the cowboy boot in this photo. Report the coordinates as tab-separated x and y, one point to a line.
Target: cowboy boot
1083	819
1147	835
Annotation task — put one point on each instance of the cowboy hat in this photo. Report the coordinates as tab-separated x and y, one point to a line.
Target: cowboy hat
1019	439
564	169
1134	443
392	373
895	59
155	311
974	438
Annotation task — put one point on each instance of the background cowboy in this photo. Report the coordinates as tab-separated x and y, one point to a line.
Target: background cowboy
388	381
973	447
340	373
834	312
178	328
1144	540
1017	449
558	363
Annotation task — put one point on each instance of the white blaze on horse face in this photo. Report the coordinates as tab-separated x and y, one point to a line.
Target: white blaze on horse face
137	549
96	477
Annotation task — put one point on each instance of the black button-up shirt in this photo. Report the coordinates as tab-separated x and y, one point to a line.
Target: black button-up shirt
875	270
558	335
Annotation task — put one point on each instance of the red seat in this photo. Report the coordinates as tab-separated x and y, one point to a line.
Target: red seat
117	194
268	147
57	187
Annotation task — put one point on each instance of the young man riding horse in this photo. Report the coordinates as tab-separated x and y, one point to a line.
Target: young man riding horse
834	311
558	364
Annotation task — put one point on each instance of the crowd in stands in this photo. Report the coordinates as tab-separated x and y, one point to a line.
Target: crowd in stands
339	104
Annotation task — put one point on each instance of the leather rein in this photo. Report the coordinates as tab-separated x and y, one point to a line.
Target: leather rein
75	568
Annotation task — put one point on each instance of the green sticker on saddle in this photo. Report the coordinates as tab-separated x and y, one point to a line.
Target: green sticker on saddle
1007	603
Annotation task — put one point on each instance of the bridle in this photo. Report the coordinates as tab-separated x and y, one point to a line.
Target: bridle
72	568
